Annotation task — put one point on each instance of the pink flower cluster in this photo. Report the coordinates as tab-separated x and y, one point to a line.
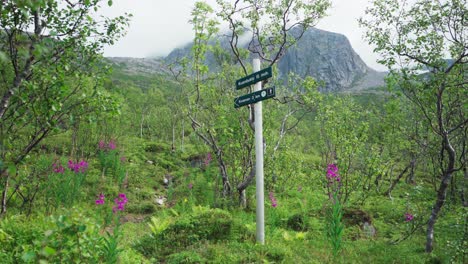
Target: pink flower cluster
334	181
208	159
408	217
100	199
77	167
107	146
58	168
120	203
273	201
190	186
332	173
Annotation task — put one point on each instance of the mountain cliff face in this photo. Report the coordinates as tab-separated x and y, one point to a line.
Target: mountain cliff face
326	56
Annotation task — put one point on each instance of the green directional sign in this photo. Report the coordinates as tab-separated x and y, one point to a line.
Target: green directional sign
254	78
254	97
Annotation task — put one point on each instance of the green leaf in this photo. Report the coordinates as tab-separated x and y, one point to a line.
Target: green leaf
48	251
11	169
109	2
3	57
28	256
81	228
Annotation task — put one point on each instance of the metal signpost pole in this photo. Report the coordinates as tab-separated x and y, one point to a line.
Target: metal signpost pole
259	161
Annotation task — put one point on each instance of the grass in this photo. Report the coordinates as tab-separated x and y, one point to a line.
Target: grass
198	233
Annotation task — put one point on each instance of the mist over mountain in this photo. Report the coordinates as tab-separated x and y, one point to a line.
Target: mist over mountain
326	56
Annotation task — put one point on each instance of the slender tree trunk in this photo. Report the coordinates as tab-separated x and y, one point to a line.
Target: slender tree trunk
173	137
141	123
5	192
243	198
224	177
183	135
463	193
395	182
410	178
75	128
241	187
441	192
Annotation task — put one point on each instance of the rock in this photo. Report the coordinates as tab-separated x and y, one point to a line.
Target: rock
167	180
160	200
368	230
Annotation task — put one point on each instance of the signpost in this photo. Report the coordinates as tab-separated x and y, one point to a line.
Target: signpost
254	78
256	98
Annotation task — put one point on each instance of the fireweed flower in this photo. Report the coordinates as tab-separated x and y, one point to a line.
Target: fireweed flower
208	159
100	199
273	201
102	145
78	167
333	180
408	217
123	159
120	203
58	168
332	173
83	166
190	186
112	145
71	165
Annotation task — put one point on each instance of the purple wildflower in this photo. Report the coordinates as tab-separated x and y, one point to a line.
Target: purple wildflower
102	145
78	167
190	186
100	199
332	173
58	168
82	166
120	203
274	202
408	217
112	145
208	159
71	165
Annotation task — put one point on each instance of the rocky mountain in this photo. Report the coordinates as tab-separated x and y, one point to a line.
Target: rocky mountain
329	57
326	56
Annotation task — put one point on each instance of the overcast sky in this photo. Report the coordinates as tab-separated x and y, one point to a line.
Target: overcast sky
158	26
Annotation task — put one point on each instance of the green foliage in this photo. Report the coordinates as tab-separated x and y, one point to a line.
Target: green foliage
142	207
171	236
71	237
335	226
297	222
166	128
185	257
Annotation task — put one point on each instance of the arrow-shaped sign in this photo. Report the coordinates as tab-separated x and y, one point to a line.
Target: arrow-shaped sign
254	97
254	78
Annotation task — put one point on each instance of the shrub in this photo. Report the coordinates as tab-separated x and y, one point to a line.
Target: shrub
185	257
202	224
67	238
144	207
296	222
156	147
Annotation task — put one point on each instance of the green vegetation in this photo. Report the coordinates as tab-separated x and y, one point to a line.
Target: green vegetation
159	168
